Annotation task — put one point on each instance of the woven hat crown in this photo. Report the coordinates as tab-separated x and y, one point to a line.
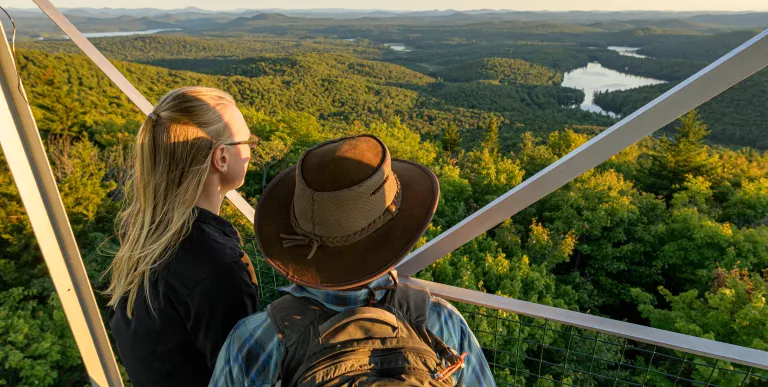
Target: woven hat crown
345	190
338	165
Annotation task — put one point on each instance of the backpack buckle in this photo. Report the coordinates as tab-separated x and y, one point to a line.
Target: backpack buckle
372	300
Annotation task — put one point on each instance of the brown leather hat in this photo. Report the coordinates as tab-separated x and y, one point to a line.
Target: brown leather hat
345	214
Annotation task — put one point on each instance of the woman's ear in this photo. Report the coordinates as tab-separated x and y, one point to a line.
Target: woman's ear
220	159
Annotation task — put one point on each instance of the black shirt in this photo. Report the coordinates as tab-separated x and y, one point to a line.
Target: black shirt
198	296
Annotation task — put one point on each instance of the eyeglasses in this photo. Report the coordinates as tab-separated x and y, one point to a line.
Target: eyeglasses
252	142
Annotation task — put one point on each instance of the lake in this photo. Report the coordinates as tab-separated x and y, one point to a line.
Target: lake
627	51
595	77
123	33
397	47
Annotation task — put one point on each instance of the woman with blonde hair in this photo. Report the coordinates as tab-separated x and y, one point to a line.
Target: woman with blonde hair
180	281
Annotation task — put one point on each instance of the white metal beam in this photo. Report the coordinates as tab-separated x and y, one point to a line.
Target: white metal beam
725	72
690	344
115	76
241	204
34	179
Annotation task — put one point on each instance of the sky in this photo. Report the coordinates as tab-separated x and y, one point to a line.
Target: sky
548	5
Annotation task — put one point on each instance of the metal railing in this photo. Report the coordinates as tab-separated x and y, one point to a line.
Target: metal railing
524	351
525	343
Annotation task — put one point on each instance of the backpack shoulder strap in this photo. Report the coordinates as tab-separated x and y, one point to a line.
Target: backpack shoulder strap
291	316
412	302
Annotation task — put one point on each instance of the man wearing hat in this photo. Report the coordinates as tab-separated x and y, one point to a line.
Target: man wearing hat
336	225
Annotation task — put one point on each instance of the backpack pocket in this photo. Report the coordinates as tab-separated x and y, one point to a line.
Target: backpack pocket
357	324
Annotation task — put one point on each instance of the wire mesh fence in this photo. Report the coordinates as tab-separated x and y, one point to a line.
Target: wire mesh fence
525	351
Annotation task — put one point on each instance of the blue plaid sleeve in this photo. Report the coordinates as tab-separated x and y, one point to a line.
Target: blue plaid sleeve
250	356
447	323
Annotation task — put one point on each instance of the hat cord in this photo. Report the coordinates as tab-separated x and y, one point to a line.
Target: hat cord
299	240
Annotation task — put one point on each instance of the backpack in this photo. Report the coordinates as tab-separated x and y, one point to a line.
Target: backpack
384	344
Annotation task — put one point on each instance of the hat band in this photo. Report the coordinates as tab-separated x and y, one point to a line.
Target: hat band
306	238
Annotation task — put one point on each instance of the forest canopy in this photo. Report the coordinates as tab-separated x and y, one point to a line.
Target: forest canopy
672	232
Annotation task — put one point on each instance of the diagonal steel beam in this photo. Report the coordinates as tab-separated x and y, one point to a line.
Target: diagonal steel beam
34	179
115	76
725	72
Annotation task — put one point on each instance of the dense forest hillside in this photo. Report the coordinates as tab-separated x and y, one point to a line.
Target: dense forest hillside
146	49
461	69
332	87
732	115
672	232
502	70
699	48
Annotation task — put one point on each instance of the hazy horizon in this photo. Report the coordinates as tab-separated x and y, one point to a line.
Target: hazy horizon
428	5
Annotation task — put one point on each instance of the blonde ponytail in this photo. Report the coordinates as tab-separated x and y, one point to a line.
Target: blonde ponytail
172	157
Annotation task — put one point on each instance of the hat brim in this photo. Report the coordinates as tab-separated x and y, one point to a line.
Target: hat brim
358	263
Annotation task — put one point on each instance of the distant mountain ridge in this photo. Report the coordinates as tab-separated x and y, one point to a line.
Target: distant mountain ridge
34	24
704	16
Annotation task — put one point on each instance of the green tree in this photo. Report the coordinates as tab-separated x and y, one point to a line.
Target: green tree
534	156
455	194
732	311
404	143
615	226
79	170
691	245
489	174
749	206
20	257
451	139
37	345
491	140
269	153
674	160
563	142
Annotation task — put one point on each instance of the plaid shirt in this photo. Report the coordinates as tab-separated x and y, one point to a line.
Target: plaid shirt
251	355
